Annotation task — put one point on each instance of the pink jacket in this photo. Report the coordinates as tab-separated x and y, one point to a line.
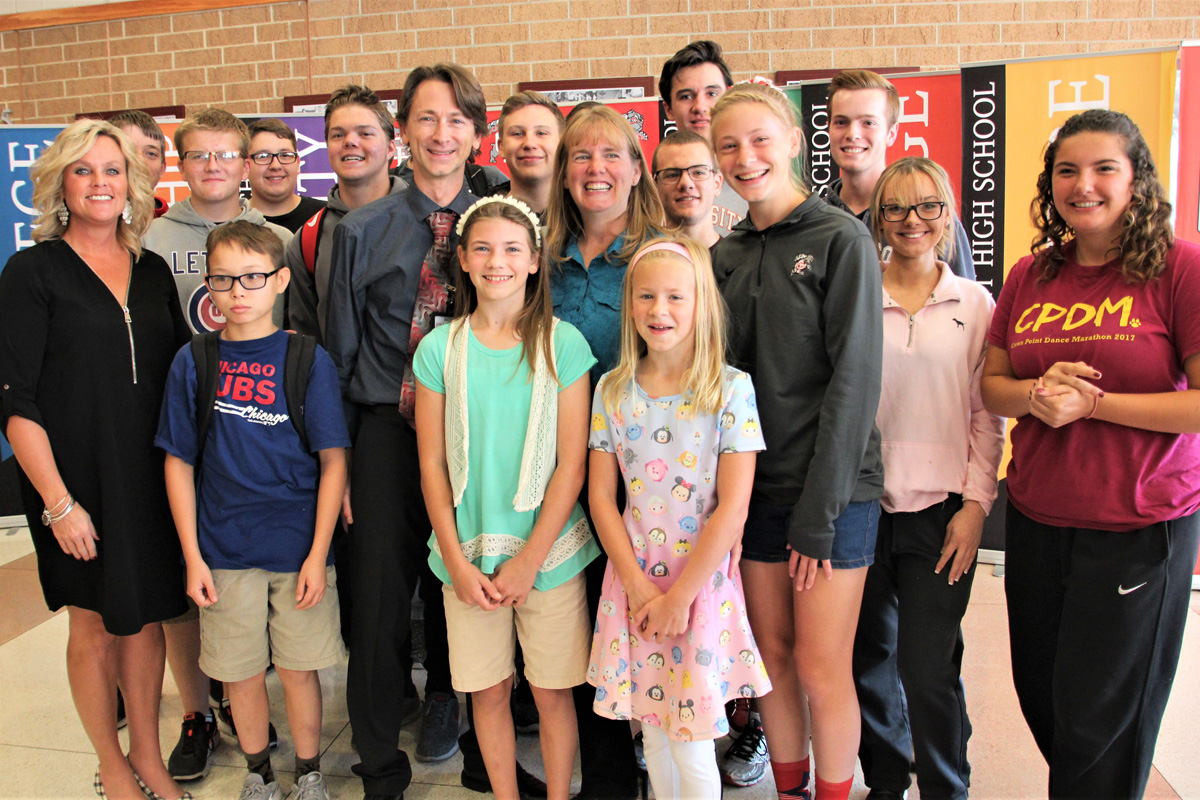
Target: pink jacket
937	437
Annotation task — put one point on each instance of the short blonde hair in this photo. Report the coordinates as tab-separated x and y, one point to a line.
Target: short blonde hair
72	144
216	120
704	380
780	106
908	168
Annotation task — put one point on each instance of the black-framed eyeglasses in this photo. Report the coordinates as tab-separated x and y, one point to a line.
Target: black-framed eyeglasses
264	159
671	175
251	280
202	156
928	211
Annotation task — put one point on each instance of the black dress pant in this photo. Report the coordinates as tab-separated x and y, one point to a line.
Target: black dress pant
388	553
1096	620
908	658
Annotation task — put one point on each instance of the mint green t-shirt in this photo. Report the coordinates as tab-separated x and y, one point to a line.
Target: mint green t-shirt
499	393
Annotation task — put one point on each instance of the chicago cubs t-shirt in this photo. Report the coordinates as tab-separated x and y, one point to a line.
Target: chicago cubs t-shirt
257	493
1090	473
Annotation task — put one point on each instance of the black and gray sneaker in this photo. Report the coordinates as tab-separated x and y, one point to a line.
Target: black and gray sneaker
438	737
746	760
192	757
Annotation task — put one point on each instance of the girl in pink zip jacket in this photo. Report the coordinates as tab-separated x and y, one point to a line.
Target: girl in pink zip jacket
941	450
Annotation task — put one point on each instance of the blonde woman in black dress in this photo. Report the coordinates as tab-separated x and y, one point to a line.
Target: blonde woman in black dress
89	323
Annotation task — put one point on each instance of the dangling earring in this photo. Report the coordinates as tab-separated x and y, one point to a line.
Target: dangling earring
64	215
126	214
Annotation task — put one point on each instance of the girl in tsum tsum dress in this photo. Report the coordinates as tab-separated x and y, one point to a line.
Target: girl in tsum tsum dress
672	643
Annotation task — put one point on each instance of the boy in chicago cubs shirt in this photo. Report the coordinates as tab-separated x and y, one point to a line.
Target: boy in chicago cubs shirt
256	518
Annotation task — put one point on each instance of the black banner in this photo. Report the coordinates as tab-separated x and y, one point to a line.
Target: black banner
820	169
983	108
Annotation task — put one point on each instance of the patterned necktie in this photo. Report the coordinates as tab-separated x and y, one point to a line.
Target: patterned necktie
433	298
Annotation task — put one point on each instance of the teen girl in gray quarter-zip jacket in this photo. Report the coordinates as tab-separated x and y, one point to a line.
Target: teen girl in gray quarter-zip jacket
802	282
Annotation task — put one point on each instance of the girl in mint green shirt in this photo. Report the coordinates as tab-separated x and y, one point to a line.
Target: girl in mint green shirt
502	422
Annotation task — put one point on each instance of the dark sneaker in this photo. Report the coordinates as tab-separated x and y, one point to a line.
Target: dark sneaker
438	737
192	757
745	762
529	786
224	716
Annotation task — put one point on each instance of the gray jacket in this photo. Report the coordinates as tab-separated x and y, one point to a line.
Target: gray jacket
805	298
308	290
181	237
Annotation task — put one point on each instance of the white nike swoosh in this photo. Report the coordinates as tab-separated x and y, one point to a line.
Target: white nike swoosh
1123	590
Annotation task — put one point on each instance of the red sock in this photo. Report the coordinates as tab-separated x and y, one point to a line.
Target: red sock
791	779
834	791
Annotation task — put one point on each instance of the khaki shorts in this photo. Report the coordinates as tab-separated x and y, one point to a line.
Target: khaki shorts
555	634
255	623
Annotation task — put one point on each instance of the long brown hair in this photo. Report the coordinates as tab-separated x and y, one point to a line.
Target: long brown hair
644	216
534	326
1146	234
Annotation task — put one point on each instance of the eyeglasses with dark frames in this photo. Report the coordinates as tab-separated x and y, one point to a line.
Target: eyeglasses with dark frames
928	211
251	280
264	159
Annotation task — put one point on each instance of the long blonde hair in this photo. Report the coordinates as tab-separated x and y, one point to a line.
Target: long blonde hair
644	214
72	144
704	380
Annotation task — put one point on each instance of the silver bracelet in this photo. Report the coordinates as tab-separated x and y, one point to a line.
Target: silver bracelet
51	517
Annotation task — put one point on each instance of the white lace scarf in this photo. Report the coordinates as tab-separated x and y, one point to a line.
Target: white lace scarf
540	453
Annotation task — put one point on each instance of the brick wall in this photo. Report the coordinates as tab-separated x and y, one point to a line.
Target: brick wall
248	59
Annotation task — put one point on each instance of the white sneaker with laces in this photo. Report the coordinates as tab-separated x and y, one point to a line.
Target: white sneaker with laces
255	788
311	787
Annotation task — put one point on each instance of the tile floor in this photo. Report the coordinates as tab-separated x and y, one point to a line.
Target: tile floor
44	753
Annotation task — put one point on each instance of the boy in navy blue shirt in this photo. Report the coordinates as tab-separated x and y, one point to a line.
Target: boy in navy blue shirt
256	524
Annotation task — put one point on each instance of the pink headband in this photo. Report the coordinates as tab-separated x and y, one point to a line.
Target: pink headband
672	247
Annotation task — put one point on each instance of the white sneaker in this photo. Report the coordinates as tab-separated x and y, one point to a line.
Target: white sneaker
311	787
254	788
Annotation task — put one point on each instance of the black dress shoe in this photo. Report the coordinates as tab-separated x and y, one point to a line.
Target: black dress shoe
528	785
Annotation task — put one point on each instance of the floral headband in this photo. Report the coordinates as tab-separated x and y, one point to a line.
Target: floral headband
512	201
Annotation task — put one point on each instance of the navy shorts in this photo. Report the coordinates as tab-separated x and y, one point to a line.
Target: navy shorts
855	529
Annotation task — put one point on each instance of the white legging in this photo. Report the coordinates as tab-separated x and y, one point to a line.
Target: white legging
683	770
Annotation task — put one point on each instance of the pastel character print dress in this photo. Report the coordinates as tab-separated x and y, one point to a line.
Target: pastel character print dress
668	460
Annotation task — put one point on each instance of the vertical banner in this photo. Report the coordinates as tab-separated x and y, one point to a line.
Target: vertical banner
811	100
22	145
645	117
983	135
1187	177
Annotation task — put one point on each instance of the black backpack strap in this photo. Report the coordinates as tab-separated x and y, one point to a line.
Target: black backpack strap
301	350
206	355
477	180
